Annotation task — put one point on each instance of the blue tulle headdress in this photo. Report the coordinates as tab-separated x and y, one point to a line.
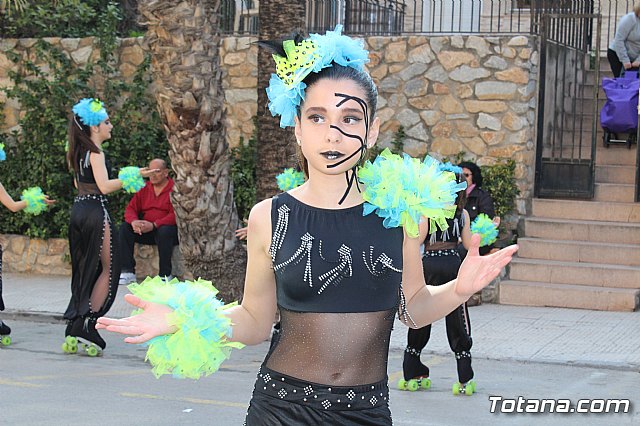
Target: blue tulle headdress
90	111
286	88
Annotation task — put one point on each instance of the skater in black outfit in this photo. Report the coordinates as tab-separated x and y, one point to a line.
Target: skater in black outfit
334	274
441	263
95	267
14	206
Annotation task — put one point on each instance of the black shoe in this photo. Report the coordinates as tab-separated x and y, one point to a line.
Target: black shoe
5	330
412	367
84	328
465	372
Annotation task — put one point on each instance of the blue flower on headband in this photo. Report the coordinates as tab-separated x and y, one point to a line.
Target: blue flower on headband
91	111
286	89
450	168
3	155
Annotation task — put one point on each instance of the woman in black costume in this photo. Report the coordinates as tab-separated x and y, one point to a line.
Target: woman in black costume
95	266
441	262
334	274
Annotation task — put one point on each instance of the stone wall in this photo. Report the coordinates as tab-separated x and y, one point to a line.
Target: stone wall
450	93
33	255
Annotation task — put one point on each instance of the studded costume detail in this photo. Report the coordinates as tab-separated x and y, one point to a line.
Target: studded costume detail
338	276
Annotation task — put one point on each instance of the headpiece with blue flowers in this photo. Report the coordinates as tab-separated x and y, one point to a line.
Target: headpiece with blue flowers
91	111
286	88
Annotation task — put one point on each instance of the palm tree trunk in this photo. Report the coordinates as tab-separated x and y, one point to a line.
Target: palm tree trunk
276	146
183	38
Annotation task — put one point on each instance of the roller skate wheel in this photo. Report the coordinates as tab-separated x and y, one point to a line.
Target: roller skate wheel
402	384
6	340
468	389
69	349
413	385
456	388
91	350
71	340
425	383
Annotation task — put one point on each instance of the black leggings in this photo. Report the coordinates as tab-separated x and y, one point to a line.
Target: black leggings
616	65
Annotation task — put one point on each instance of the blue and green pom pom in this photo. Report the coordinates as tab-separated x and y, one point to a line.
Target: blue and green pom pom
131	178
34	197
401	190
484	226
3	155
290	179
200	345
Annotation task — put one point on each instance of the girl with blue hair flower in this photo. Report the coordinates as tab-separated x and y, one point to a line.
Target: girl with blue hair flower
95	268
338	277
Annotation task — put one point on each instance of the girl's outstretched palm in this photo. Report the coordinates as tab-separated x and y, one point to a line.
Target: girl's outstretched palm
476	272
150	323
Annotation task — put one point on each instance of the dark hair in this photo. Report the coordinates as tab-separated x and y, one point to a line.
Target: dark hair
79	140
334	72
476	174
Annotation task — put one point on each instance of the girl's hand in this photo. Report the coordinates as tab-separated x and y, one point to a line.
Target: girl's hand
146	172
476	272
48	201
152	322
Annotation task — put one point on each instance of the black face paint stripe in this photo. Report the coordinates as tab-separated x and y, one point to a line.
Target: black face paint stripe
363	148
347	134
331	166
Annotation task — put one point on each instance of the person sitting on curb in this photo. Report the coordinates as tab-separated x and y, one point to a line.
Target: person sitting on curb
150	219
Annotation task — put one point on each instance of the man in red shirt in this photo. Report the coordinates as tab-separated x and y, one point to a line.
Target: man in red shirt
149	219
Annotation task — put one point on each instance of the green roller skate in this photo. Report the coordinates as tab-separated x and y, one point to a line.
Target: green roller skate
468	388
5	330
414	384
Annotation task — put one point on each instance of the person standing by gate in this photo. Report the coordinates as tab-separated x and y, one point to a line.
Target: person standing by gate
624	50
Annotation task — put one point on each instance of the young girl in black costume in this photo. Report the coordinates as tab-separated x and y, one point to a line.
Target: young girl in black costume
334	274
95	267
14	206
441	262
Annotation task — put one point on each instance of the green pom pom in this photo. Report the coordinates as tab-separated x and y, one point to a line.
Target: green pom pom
484	226
131	178
34	197
200	345
289	179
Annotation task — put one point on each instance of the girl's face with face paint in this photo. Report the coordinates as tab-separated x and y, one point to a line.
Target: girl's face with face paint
334	128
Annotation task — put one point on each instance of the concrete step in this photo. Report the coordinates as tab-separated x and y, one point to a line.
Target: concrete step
615	192
582	230
616	155
586	210
529	293
615	174
560	272
579	251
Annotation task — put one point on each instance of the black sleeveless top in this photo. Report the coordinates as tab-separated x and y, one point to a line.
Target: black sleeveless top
338	275
84	176
449	235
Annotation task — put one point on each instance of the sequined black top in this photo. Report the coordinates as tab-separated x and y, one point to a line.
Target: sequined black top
338	276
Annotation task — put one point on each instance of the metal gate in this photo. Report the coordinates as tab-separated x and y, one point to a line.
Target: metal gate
567	103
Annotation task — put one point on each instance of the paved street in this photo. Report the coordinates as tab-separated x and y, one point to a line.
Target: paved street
42	386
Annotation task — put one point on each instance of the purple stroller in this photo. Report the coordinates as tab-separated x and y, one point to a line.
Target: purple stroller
620	112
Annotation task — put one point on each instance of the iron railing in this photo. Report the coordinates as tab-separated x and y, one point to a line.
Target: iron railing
392	17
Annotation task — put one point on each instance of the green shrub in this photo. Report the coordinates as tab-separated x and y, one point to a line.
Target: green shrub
36	154
397	144
61	18
243	172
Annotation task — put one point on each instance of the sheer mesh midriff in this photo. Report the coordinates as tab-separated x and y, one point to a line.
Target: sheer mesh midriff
339	349
86	188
